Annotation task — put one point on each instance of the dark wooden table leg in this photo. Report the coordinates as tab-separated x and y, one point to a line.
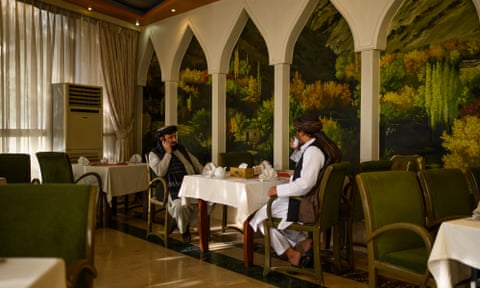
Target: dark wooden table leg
247	243
203	225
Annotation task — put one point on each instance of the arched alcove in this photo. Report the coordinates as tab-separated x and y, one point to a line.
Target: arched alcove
153	112
195	103
249	97
325	78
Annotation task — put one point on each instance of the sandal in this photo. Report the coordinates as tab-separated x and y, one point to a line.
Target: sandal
306	259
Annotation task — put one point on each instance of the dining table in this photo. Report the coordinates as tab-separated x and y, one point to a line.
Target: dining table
247	195
118	179
32	273
455	254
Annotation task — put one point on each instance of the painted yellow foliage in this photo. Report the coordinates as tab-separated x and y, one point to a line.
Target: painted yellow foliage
297	86
332	130
414	60
191	75
387	59
323	95
463	144
402	100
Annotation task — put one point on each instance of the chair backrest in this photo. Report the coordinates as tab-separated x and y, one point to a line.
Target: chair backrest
447	194
157	186
413	162
233	159
474	174
366	166
55	167
391	197
48	220
330	193
15	167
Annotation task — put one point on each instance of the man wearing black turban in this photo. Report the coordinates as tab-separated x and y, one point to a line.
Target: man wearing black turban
313	152
173	161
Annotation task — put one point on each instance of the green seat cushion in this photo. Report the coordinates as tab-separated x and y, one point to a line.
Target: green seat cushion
412	259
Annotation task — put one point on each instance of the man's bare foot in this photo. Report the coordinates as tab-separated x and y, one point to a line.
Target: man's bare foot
293	256
306	244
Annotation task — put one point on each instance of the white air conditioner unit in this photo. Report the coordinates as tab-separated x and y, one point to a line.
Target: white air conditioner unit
78	120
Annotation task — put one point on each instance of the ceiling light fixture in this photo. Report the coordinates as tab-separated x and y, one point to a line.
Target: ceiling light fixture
137	23
89	8
173	10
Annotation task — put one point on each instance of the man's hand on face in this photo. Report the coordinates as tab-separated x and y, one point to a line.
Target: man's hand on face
169	142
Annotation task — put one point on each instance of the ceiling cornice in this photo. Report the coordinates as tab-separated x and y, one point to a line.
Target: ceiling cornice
105	10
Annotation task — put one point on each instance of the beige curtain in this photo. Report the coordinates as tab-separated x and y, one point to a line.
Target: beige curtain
118	48
37	49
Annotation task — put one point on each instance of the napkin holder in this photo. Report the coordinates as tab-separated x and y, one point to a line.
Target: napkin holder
242	172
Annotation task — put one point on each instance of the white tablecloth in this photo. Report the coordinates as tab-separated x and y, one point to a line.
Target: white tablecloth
32	273
117	180
455	251
247	195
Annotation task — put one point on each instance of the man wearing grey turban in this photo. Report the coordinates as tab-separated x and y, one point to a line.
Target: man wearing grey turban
313	152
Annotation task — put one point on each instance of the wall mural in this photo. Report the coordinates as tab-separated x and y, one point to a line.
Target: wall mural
430	87
430	83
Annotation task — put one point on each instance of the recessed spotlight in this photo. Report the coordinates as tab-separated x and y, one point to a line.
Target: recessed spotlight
173	10
89	8
137	23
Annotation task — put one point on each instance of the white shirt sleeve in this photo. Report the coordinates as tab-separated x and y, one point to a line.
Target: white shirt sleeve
313	161
159	166
295	156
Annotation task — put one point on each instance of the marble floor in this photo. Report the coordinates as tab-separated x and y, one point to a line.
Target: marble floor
124	258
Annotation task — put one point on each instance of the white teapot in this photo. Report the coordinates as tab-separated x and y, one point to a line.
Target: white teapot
219	172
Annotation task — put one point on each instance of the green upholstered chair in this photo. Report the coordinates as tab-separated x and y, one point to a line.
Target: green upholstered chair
233	159
328	214
353	209
474	175
55	167
157	195
15	167
447	195
412	162
397	241
51	220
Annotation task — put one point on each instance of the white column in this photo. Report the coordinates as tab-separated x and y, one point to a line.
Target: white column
219	104
281	116
171	102
370	106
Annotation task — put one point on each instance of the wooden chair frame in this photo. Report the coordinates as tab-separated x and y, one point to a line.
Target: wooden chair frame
328	215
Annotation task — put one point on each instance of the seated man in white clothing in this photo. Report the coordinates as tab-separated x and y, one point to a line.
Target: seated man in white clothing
173	161
313	152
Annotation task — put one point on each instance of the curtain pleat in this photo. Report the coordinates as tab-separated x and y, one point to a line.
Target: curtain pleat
118	48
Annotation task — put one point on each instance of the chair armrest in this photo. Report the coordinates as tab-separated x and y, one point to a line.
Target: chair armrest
74	269
422	232
153	183
97	178
269	207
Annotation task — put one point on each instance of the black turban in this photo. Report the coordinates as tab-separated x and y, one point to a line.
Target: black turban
309	124
166	130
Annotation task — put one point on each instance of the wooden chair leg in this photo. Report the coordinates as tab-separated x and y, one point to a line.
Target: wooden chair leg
224	217
268	253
